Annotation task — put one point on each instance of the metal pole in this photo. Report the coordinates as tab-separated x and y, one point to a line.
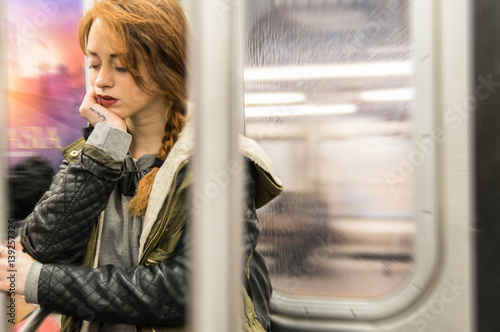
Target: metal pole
3	127
217	193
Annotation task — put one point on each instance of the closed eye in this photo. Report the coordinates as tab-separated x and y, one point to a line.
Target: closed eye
120	69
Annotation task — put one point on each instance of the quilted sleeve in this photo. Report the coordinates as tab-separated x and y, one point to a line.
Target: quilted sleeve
59	228
258	284
252	224
152	295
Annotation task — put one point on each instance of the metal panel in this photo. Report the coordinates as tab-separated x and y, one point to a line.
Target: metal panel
487	163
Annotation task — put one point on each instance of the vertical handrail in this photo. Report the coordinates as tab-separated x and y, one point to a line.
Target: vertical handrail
216	90
3	126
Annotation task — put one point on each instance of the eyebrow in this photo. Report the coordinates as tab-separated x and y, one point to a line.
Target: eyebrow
95	54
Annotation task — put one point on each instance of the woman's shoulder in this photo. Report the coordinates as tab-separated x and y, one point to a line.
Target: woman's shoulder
268	184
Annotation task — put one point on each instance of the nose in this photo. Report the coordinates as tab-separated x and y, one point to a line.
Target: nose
104	78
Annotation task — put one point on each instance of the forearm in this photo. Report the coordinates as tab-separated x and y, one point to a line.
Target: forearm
61	223
152	295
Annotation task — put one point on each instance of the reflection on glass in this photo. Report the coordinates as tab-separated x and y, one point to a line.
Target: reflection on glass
329	95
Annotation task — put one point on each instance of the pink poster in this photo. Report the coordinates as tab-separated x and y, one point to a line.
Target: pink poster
46	78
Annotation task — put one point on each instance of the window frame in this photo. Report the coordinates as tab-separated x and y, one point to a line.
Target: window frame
427	239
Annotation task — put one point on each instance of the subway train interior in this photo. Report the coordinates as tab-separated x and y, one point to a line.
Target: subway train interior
380	119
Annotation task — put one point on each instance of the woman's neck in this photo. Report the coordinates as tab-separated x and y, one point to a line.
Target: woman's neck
147	135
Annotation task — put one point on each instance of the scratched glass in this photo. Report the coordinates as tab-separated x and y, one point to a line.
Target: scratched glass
329	95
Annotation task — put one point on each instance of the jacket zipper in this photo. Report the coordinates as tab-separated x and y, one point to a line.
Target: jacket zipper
162	228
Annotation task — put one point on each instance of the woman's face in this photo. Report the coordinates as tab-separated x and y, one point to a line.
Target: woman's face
114	87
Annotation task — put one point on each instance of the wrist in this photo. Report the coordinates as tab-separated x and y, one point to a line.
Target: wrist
110	140
120	125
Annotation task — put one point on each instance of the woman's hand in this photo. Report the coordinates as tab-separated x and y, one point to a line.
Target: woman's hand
93	112
14	268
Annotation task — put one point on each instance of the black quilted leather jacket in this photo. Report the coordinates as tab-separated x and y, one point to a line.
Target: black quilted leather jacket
62	233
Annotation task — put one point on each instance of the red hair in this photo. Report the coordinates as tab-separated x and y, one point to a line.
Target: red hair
149	37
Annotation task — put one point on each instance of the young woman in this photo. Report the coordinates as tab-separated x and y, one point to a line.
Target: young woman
106	245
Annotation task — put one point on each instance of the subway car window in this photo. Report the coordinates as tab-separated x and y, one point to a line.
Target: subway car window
329	94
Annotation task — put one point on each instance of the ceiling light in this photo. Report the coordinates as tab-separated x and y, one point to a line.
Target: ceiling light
388	95
274	98
332	71
302	110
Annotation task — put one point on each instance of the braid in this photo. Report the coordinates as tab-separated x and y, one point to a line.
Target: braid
173	128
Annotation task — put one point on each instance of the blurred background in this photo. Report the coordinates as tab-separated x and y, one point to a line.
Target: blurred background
380	117
329	92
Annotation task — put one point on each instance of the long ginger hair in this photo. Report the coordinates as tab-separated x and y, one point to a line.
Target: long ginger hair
149	37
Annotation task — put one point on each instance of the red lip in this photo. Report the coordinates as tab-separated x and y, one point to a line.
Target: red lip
106	100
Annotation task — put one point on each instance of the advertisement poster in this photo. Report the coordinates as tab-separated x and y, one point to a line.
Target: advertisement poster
46	78
45	87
